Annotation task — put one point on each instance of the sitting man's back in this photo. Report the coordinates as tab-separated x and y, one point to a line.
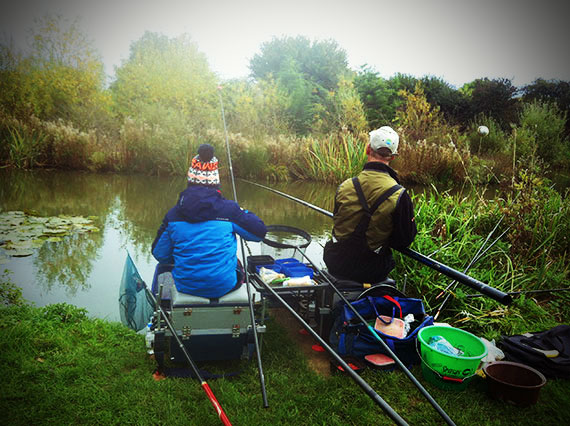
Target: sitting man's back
198	234
372	213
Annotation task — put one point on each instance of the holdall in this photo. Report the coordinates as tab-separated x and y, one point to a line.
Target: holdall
349	337
547	351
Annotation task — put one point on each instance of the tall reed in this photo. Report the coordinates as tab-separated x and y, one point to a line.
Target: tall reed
331	159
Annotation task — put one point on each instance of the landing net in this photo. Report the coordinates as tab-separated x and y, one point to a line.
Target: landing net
135	307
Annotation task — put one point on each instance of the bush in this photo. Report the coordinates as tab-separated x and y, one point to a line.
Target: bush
496	141
10	293
424	162
331	158
430	149
542	131
539	218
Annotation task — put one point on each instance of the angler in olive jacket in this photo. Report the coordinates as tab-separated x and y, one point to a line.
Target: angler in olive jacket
372	213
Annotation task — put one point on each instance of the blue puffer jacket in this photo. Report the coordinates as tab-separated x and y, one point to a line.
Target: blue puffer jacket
198	236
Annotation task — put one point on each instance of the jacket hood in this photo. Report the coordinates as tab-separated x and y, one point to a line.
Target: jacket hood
197	203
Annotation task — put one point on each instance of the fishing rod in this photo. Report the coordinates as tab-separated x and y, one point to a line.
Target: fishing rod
251	309
359	380
299	248
163	317
516	293
477	256
475	284
475	259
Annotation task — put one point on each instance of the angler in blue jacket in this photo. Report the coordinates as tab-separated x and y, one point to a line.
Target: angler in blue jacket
198	236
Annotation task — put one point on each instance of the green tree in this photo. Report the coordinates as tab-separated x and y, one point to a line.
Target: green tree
403	82
496	98
168	72
451	102
255	109
379	100
320	62
543	125
307	71
345	111
419	119
61	77
549	91
166	96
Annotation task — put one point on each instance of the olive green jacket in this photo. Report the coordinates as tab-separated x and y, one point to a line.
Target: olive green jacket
392	224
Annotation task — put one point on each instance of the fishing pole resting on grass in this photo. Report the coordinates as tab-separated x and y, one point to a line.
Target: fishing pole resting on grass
299	248
475	284
163	317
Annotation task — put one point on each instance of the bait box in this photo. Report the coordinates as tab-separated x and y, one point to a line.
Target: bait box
210	329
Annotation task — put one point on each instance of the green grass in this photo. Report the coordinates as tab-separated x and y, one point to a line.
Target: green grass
61	367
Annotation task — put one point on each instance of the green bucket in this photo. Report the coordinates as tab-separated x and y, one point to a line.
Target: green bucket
450	372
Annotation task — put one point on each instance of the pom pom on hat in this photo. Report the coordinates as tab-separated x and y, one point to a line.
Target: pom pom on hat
206	152
204	167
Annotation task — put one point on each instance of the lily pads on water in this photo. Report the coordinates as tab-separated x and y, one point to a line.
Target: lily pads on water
21	233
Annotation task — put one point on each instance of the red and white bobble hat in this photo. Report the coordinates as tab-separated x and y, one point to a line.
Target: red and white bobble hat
204	167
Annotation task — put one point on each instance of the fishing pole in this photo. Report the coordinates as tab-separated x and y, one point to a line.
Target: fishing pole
485	289
515	293
251	310
473	261
359	380
163	317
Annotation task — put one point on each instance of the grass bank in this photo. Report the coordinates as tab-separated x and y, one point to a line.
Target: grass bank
60	367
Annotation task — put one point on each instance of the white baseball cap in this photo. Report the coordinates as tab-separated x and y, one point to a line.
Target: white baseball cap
384	137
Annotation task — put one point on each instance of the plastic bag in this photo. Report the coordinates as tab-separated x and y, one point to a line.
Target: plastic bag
299	281
269	276
440	344
493	352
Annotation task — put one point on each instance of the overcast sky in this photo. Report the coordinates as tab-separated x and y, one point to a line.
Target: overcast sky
457	40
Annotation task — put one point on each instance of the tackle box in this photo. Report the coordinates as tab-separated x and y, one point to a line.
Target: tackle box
254	261
210	329
293	268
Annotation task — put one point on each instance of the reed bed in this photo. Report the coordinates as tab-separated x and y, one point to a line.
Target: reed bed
333	158
529	254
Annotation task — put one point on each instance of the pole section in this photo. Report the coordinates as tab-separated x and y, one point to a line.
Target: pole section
251	312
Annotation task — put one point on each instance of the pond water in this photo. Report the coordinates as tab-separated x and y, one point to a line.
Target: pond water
85	269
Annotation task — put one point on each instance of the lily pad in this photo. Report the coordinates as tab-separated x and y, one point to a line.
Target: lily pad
21	233
19	252
55	231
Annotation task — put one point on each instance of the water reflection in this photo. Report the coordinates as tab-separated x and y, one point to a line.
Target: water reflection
86	269
69	264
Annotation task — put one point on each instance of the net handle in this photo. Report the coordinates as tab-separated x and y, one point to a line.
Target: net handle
291	230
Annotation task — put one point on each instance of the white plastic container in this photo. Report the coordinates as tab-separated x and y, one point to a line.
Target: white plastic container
149	336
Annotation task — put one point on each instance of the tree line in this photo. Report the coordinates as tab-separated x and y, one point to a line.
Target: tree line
57	110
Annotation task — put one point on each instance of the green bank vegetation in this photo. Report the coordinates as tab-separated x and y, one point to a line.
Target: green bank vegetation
61	367
302	114
102	373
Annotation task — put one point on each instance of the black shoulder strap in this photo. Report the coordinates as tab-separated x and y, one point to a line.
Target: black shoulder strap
384	197
360	194
368	212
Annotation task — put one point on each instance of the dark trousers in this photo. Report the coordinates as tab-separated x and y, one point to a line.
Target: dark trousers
352	259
